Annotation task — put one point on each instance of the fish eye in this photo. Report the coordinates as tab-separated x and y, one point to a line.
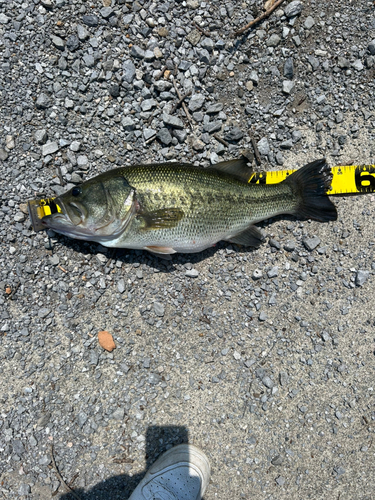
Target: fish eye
76	191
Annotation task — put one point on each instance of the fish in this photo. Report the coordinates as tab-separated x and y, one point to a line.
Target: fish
167	208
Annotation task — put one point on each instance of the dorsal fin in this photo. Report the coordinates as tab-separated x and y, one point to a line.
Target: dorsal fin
236	168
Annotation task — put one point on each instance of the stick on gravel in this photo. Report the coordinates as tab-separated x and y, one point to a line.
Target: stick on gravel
67	487
258	19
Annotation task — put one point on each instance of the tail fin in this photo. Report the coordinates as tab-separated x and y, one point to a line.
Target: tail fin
310	185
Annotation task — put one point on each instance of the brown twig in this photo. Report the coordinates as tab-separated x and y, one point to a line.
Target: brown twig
256	151
150	139
205	33
59	173
259	18
218	138
179	102
183	104
67	488
62	269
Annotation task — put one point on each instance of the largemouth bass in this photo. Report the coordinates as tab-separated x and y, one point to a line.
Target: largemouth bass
171	207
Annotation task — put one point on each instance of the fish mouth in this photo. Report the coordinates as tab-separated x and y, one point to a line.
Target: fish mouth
70	222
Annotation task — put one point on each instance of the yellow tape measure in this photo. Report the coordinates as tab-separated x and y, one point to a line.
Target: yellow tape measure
348	179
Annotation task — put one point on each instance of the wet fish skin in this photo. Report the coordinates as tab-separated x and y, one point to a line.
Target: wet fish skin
172	207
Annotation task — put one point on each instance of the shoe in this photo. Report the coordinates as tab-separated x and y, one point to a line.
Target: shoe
181	473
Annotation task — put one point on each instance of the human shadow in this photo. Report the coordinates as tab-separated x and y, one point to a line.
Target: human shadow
120	487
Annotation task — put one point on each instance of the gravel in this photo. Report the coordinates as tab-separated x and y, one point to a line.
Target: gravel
264	358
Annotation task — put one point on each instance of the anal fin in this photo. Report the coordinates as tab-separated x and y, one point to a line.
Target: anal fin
251	237
162	252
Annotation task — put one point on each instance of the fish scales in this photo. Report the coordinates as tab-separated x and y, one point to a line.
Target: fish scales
215	205
172	207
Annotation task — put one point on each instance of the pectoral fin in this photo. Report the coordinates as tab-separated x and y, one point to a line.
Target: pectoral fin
251	237
165	218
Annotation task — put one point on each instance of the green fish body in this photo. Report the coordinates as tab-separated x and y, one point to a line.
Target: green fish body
171	207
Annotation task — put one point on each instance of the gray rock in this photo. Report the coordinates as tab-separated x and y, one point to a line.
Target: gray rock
357	65
3	154
106	12
54	260
90	20
309	22
267	382
289	68
296	135
121	285
118	414
361	277
148	104
192	273
280	480
314	61
129	71
198	145
274	271
45	460
159	309
89	60
196	102
234	134
164	136
273	41
127	123
82	418
290	246
75	146
286	144
58	42
283	379
172	121
212	109
293	8
41	136
180	135
277	460
212	127
43	101
342	62
262	316
148	133
82	33
254	77
72	43
49	148
204	56
263	146
137	52
82	161
24	489
4	19
288	86
371	47
208	44
114	90
311	243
